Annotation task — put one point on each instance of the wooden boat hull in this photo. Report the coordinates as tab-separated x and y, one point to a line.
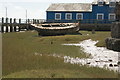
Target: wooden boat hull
56	30
48	32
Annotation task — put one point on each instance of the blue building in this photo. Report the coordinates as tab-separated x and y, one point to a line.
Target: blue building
101	11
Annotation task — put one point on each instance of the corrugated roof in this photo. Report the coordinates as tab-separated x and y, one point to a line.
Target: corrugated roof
77	7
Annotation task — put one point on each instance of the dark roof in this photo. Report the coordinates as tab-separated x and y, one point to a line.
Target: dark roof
77	7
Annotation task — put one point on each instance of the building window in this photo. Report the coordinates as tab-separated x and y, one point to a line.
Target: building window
68	16
100	16
100	2
112	4
57	16
112	16
79	16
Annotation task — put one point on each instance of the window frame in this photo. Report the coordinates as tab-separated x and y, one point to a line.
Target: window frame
79	14
111	5
100	2
114	16
70	16
100	14
56	17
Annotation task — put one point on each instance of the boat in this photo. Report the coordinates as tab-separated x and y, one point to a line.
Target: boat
53	29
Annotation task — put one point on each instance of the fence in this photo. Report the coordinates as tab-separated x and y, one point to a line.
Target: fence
84	21
16	25
88	24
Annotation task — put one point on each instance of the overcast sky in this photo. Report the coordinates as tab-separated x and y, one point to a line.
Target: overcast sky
35	8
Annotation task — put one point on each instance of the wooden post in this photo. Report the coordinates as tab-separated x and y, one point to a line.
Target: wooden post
94	27
19	29
33	21
93	31
37	21
28	21
26	24
11	27
15	24
2	27
6	24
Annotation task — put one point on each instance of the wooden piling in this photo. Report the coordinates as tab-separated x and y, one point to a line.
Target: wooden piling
2	27
19	29
26	25
14	25
94	27
11	26
37	21
33	21
28	21
6	25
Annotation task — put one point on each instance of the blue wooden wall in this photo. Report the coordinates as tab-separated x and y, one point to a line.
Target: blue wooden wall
88	17
51	16
104	10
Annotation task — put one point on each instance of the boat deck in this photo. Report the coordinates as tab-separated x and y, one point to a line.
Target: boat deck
54	26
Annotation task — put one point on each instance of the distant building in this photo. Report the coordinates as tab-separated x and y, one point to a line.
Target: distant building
103	11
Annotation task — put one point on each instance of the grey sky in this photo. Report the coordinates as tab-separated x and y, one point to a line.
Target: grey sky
36	8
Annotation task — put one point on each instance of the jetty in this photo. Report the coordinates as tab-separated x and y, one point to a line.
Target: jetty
17	25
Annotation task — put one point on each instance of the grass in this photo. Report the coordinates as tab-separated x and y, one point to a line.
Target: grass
20	61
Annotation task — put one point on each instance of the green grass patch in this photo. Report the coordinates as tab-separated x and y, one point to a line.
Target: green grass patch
19	59
51	67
